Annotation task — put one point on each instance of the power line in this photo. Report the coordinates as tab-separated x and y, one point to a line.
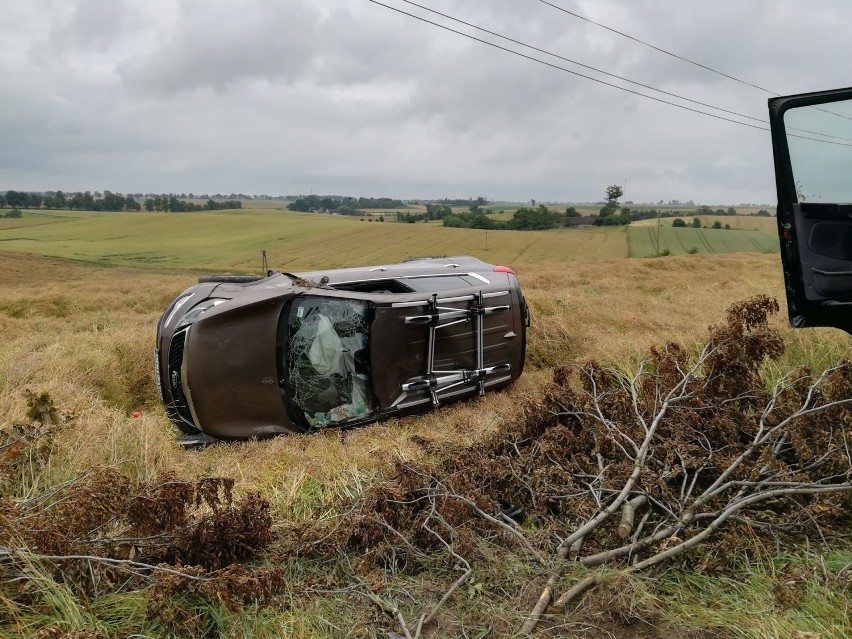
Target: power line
580	64
607	73
593	79
656	48
688	61
556	66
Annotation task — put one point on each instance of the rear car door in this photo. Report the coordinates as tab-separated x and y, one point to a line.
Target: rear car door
812	148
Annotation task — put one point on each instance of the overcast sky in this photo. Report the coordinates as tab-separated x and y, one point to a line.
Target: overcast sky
347	97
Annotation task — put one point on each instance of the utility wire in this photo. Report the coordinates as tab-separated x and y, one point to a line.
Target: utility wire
556	66
580	64
668	53
687	60
587	77
612	75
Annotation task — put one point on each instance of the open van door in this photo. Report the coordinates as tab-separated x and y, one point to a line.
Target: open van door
812	147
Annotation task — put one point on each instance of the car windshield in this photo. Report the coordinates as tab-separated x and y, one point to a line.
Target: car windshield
326	359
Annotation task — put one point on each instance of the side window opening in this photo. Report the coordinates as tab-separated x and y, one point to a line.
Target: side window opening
327	365
374	286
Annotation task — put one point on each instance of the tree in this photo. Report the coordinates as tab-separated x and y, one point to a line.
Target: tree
763	213
696	222
613	192
437	210
717	224
732	210
678	222
571	212
16	199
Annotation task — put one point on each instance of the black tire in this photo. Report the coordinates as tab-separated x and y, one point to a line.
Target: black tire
229	279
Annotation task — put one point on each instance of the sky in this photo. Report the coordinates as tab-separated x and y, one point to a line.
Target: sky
348	97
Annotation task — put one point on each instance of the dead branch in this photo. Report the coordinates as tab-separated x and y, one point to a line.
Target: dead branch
628	512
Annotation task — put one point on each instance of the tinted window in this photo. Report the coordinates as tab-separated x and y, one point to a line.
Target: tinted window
442	283
820	142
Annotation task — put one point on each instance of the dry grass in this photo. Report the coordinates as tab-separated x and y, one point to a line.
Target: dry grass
85	334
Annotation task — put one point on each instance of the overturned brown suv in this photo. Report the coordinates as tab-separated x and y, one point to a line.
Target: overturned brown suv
251	356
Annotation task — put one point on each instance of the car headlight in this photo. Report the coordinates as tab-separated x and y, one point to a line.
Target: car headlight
199	310
183	299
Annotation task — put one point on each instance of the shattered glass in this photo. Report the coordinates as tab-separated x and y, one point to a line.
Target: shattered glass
328	363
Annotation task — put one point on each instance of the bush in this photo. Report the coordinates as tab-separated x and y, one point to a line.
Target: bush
678	223
16	213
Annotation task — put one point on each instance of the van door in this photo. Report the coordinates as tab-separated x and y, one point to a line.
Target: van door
812	148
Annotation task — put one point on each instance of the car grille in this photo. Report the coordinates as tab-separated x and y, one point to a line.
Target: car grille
180	407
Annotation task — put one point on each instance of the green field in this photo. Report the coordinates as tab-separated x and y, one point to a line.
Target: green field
738	222
643	240
233	240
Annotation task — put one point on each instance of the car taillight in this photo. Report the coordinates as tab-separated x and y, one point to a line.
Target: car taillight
503	269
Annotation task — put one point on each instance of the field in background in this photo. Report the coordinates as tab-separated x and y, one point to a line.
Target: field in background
738	222
233	240
646	241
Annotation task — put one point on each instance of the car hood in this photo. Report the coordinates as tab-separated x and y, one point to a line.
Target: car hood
230	353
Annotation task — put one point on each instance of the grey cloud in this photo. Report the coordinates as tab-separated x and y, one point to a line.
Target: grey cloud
220	45
347	97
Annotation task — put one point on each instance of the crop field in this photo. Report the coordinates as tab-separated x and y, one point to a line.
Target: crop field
79	302
643	240
738	222
226	241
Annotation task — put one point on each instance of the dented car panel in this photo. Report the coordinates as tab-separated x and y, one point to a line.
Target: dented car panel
304	351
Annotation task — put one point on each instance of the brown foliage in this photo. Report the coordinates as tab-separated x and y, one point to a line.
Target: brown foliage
166	522
574	450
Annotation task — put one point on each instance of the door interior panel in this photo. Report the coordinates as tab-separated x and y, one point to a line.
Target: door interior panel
825	249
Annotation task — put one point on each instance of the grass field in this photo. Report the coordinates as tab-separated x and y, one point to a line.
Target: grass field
222	241
739	222
79	301
643	240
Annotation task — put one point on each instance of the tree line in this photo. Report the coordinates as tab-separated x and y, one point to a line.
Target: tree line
109	201
342	205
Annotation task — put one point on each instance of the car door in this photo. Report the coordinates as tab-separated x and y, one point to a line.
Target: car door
812	148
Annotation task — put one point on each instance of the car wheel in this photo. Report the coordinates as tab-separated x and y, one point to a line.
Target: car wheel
229	279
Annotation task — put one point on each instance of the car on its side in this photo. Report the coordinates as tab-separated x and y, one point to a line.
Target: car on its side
812	148
249	356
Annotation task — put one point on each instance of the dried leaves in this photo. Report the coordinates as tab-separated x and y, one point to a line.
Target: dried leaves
100	531
705	430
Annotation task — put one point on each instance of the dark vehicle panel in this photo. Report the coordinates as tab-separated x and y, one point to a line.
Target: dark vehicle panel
230	374
296	352
812	149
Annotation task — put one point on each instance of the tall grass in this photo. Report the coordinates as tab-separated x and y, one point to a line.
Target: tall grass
85	334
